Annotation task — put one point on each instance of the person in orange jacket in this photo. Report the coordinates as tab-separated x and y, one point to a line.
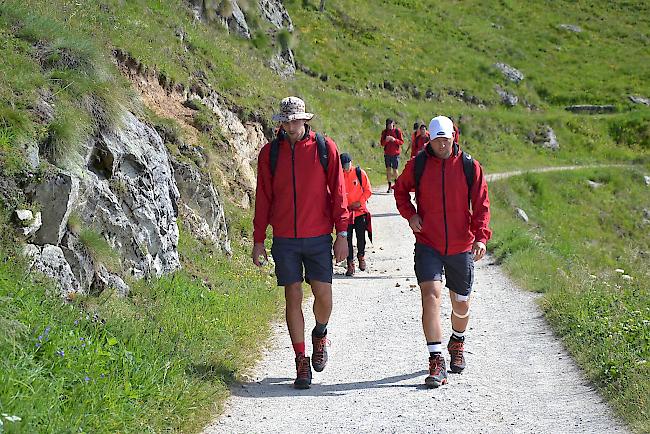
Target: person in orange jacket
358	190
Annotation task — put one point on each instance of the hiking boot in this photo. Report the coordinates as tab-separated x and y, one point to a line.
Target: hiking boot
437	372
350	270
303	373
456	348
362	263
319	356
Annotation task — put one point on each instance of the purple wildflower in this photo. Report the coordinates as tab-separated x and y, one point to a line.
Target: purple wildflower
87	379
47	329
81	339
40	338
76	322
60	353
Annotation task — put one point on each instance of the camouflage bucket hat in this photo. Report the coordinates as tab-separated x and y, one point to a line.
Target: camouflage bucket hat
292	108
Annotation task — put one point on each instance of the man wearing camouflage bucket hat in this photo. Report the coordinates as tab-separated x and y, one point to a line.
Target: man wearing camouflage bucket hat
301	194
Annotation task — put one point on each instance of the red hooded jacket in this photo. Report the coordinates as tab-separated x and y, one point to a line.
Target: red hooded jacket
300	200
394	147
448	225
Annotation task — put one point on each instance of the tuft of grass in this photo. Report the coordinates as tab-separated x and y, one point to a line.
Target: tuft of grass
99	250
576	237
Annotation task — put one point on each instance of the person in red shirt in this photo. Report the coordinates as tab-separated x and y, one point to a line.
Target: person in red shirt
392	141
419	140
302	198
449	237
358	192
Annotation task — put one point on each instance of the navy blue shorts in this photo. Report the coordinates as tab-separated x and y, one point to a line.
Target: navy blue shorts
291	254
391	161
458	269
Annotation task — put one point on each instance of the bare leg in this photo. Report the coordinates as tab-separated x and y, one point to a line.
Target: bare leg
322	300
431	298
294	316
459	308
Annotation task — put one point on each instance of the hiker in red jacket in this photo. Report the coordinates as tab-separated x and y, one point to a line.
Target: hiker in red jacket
392	141
419	140
301	194
449	236
358	191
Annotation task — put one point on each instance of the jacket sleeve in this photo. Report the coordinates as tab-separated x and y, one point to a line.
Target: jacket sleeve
263	195
336	184
480	206
367	188
403	186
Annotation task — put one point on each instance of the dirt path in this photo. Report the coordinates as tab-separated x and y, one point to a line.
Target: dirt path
519	377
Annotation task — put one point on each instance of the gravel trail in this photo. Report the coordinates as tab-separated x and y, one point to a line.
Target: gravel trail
519	378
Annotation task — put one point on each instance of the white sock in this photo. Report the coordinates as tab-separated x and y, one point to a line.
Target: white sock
458	335
434	347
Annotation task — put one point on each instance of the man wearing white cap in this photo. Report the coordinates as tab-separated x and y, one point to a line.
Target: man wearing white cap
301	194
451	230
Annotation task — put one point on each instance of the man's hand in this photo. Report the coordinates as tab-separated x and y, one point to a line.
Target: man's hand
416	223
478	250
340	248
390	138
354	205
259	251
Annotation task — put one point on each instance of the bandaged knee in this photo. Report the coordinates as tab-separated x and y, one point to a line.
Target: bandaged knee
465	315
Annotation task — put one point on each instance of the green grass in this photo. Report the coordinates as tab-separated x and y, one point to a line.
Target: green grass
577	236
159	360
61	51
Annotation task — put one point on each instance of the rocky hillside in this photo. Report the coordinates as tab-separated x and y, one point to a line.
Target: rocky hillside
121	120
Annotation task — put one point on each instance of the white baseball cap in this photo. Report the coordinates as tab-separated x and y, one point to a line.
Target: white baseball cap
441	126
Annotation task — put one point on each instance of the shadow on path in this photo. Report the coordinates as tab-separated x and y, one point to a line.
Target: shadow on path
278	387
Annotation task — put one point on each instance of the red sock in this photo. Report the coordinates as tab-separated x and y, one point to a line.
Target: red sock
299	348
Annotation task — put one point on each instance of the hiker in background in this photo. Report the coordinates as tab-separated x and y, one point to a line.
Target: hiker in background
301	194
358	190
414	134
451	230
392	141
419	141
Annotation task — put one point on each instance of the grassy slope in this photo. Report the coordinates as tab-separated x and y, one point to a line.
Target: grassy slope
576	237
358	45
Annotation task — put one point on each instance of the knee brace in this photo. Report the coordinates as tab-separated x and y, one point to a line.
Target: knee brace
460	316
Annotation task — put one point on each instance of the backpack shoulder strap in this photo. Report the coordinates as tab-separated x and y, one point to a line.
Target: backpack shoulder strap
274	153
420	162
321	143
468	168
358	170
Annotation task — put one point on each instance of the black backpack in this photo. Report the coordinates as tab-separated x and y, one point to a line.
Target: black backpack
320	144
468	169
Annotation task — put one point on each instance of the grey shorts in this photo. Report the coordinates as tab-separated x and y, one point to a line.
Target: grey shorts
458	269
292	254
391	161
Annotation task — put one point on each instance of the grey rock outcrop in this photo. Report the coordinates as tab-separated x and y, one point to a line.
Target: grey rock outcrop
283	64
571	28
56	197
200	207
51	261
646	179
639	100
545	136
507	98
30	222
509	72
591	109
129	192
234	19
522	214
275	13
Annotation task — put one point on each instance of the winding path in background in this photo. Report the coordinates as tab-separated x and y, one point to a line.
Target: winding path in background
519	377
